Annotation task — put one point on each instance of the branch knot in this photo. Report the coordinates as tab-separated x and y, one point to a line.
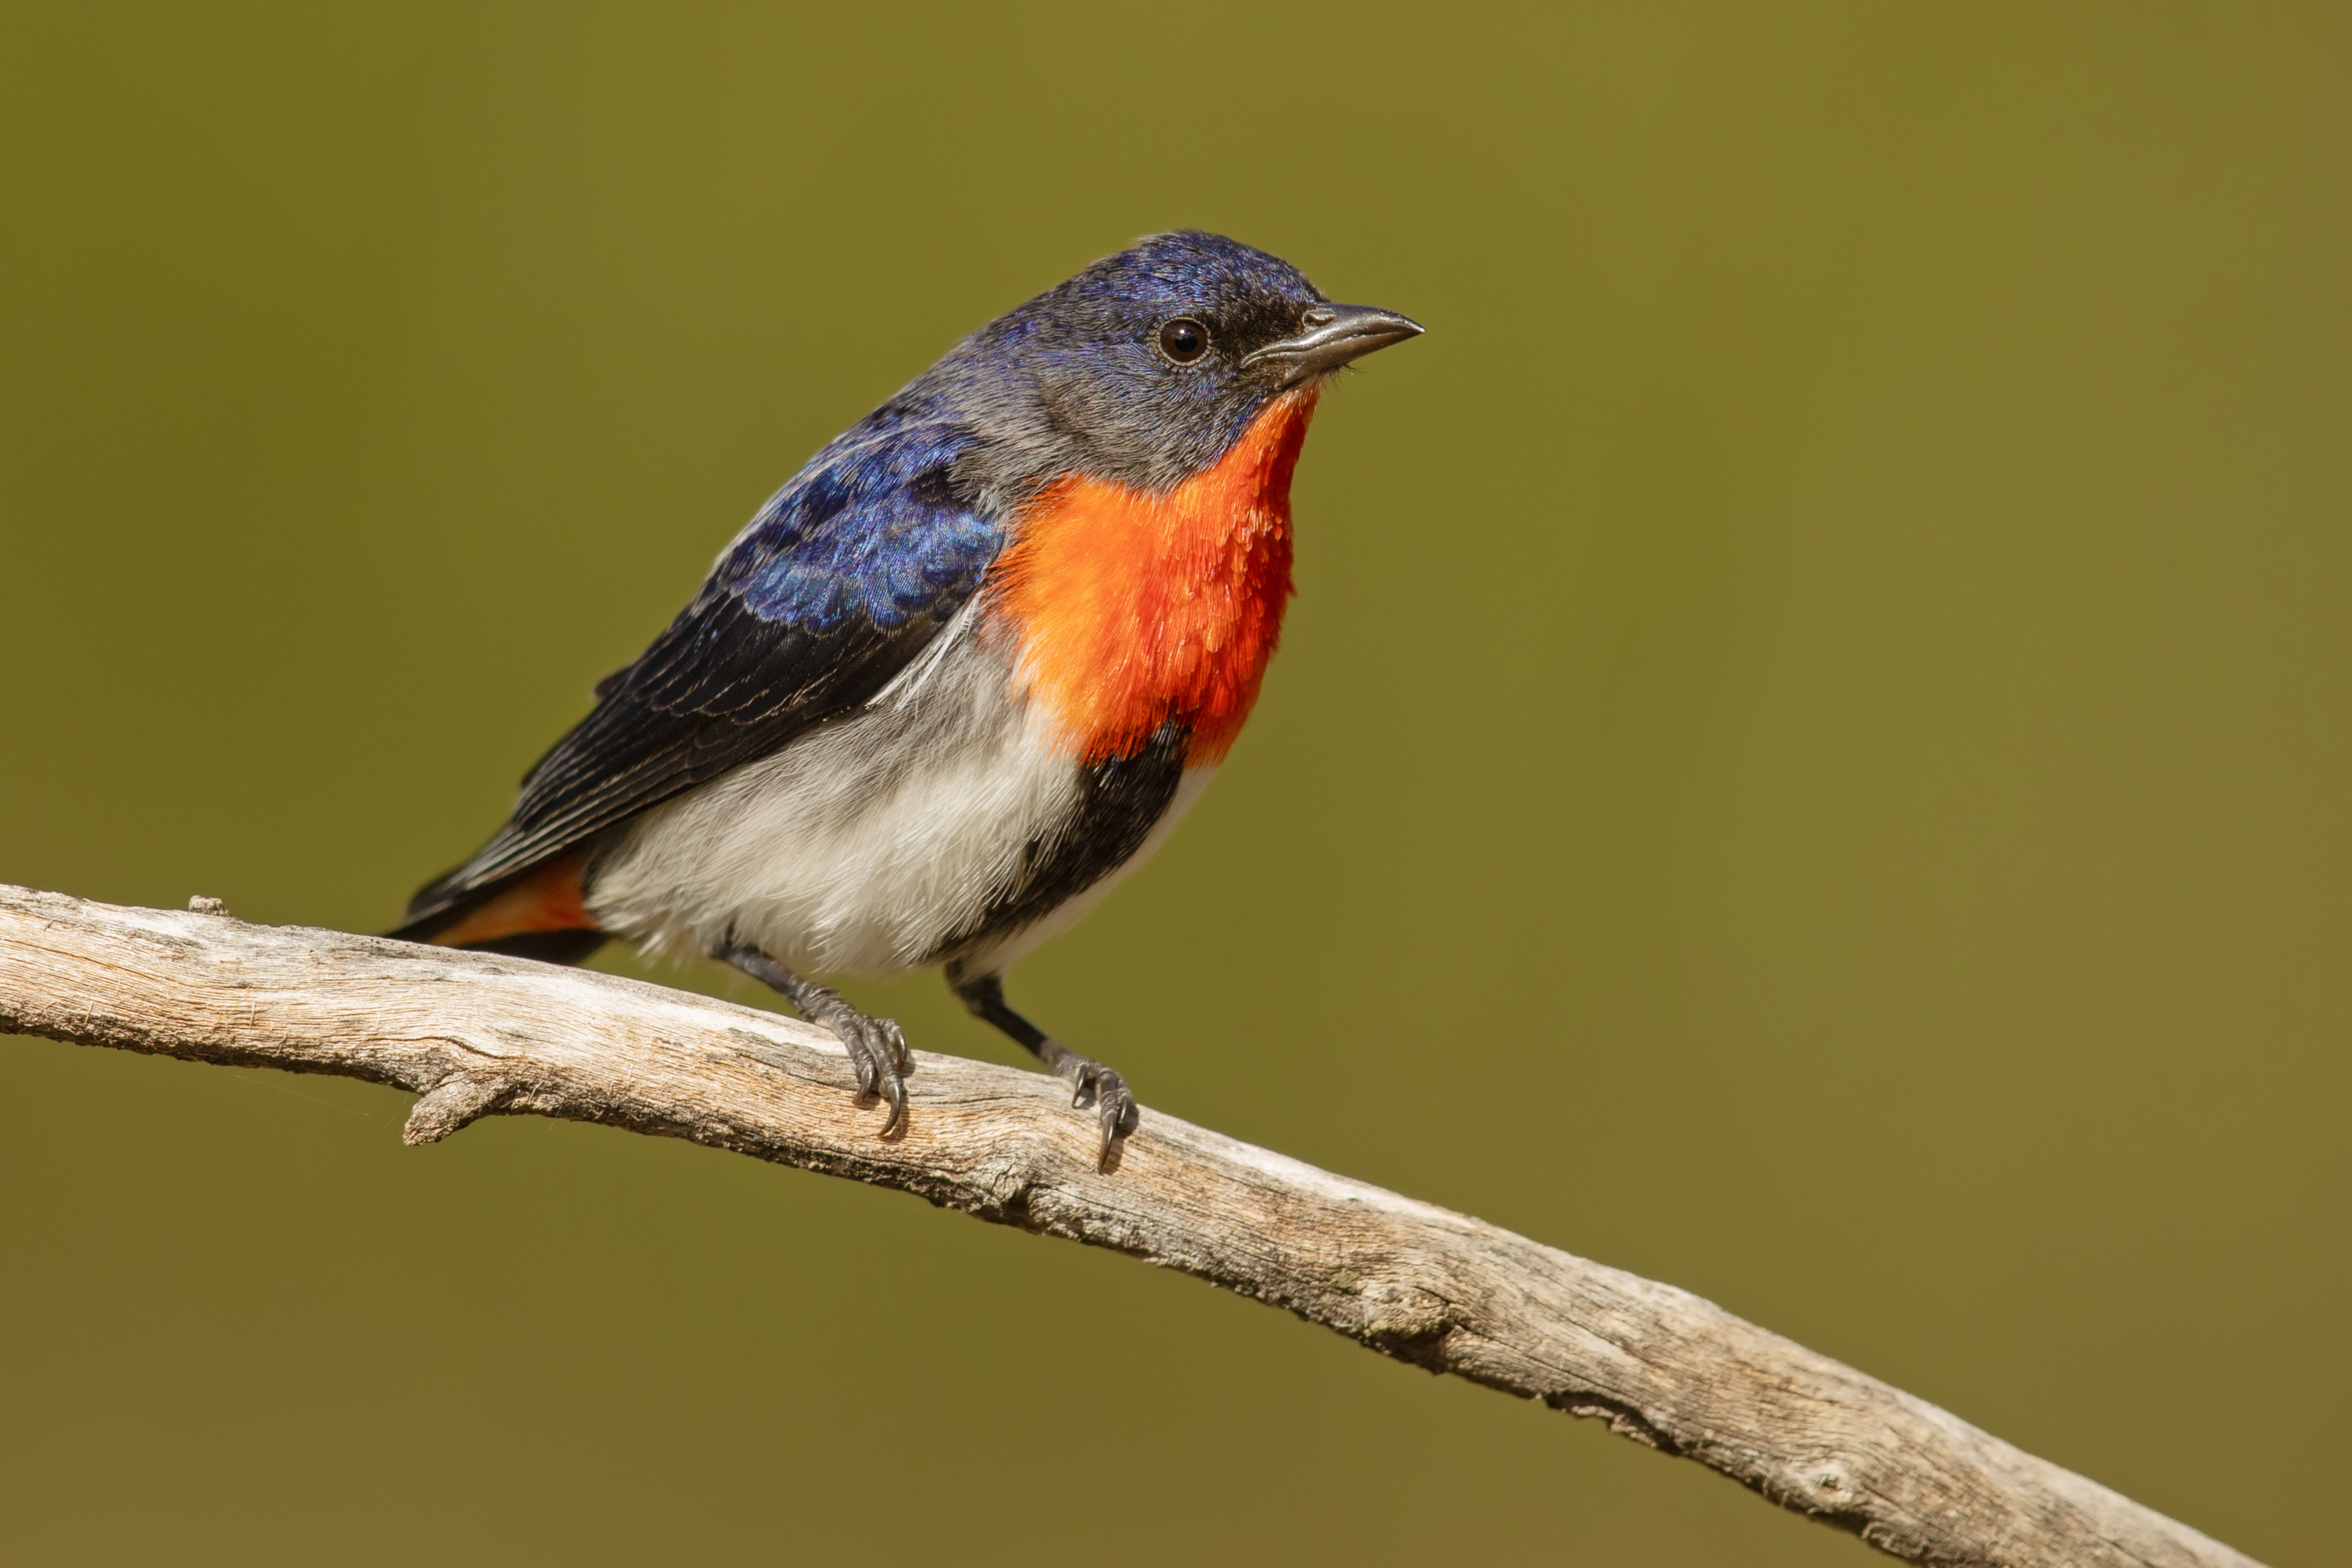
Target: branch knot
449	1105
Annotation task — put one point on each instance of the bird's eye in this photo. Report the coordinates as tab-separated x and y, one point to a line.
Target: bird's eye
1184	339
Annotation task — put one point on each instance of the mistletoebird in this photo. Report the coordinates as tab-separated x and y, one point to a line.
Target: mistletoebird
961	675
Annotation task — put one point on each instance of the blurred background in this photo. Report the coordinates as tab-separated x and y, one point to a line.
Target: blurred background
1809	761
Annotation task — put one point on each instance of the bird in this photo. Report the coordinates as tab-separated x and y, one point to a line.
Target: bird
956	678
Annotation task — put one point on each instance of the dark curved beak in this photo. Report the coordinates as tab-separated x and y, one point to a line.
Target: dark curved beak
1330	336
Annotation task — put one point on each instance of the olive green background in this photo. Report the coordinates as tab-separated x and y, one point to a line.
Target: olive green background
1811	759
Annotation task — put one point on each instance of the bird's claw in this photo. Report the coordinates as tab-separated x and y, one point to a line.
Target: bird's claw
877	1049
1093	1084
876	1046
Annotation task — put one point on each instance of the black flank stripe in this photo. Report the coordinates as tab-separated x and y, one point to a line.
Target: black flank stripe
1122	800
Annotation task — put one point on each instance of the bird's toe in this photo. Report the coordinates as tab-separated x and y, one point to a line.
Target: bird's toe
884	1064
1114	1105
894	1041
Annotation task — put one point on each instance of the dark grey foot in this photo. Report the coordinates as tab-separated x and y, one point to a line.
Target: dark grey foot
877	1048
1091	1083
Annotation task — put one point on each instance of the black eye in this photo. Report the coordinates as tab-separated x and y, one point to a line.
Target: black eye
1184	339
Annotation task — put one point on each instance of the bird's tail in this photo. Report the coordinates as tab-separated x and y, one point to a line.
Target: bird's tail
539	912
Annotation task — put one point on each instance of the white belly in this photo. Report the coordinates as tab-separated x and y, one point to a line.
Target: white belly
863	846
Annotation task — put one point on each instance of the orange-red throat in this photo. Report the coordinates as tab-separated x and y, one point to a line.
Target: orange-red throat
1130	609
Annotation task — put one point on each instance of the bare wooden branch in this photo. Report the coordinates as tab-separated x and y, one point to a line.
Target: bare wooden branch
475	1035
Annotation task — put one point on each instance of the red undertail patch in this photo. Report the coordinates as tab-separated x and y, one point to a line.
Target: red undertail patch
548	899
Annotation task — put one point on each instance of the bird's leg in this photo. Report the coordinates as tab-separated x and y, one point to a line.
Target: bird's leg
1091	1083
876	1046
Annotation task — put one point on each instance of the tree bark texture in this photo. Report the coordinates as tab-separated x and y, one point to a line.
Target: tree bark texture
475	1035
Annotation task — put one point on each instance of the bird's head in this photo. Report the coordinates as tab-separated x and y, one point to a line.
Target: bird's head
1149	366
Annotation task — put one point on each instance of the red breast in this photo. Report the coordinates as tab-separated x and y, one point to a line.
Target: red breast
1130	608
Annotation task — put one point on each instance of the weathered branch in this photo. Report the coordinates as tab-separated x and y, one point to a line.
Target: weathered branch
475	1035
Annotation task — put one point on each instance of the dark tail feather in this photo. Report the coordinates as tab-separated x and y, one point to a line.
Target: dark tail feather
547	946
538	912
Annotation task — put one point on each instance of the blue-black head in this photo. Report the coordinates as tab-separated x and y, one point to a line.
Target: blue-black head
1146	367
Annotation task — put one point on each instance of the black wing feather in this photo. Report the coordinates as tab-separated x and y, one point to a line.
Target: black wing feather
719	688
832	590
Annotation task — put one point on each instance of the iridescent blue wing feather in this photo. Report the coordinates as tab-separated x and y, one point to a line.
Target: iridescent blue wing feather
829	591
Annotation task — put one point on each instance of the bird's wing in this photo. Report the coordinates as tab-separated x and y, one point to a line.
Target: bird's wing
829	591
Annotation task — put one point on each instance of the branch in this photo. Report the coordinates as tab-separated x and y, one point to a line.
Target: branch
475	1035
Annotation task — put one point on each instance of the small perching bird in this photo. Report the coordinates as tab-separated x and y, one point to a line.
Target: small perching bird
961	674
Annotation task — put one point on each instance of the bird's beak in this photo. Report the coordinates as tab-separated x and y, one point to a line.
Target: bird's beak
1330	336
